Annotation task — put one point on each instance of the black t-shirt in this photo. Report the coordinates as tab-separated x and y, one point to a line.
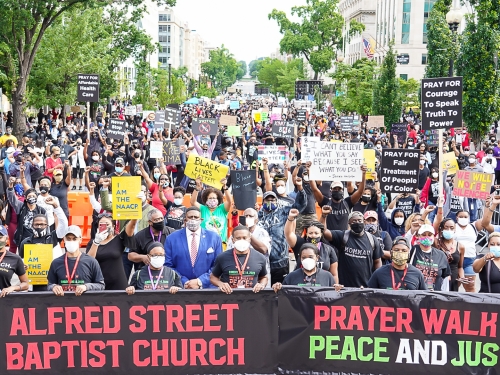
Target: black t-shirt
299	278
144	237
327	254
175	215
141	280
269	140
371	206
433	265
87	271
11	264
434	192
60	191
311	202
382	278
422	177
225	268
356	258
338	218
406	204
494	277
455	204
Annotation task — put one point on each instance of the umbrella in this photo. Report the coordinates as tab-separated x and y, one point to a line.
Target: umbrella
192	101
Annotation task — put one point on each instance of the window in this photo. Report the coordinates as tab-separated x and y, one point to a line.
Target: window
164	18
164	28
424	59
405	29
427	10
163	59
163	38
404	76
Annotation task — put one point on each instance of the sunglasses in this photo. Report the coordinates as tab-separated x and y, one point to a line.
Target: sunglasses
104	214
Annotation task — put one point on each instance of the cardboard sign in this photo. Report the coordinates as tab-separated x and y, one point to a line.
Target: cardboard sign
227	120
400	131
159	119
38	258
282	129
375	122
336	161
257	117
155	149
274	154
171	153
75	109
244	189
149	116
210	171
139	108
369	161
205	126
432	137
234	131
234	104
130	110
172	118
475	185
400	168
350	123
441	103
307	145
450	163
275	117
126	205
117	129
87	88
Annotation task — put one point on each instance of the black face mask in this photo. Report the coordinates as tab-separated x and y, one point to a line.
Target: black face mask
366	199
357	227
19	159
44	190
158	226
314	241
337	195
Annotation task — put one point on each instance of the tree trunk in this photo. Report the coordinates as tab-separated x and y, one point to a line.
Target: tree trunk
18	105
315	75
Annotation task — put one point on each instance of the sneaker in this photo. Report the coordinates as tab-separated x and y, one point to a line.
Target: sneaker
80	188
74	188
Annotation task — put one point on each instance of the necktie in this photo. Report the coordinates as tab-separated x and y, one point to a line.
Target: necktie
194	249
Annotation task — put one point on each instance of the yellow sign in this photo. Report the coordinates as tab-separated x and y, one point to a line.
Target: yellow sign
126	205
369	160
37	258
210	171
449	163
257	117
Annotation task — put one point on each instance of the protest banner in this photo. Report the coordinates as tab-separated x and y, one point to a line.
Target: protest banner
117	129
307	145
274	154
234	131
400	169
156	149
400	131
171	153
126	205
264	116
282	129
38	257
376	122
441	103
350	123
302	115
475	185
244	188
227	120
234	104
369	161
450	163
210	171
205	126
87	88
172	118
275	117
336	161
432	137
130	110
159	119
139	108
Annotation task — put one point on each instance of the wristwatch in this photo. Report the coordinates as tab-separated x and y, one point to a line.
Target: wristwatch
200	284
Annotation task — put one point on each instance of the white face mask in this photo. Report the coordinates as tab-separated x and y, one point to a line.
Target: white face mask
157	261
71	246
177	201
463	221
309	264
95	158
472	160
435	175
422	162
249	221
281	190
399	220
241	245
305	178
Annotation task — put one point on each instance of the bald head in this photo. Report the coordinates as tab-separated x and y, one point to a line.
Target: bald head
250	217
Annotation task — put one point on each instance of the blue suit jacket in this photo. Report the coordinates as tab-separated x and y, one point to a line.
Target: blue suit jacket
178	257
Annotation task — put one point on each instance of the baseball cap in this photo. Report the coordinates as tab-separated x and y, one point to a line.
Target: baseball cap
17	153
119	161
401	240
57	172
74	229
336	184
371	214
10	150
426	228
269	194
354	213
3	231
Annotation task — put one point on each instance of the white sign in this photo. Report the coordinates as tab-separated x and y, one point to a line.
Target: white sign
155	149
308	144
333	161
274	154
130	110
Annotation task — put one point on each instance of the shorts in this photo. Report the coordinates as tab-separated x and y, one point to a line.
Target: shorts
468	271
77	173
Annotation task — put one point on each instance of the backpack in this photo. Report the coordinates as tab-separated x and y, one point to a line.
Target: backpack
370	238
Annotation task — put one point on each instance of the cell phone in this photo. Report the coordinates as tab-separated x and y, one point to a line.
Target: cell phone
103	227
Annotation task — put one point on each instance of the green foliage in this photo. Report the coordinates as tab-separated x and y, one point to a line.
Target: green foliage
318	34
356	82
255	66
386	98
203	90
280	77
408	92
440	46
144	86
242	70
222	69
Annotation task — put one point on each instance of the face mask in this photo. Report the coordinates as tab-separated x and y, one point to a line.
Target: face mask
463	221
2	244
177	201
44	189
193	225
357	227
281	190
39	232
212	203
435	174
422	162
31	200
95	158
118	169
19	159
157	175
426	241
71	246
448	234
314	241
495	250
137	155
472	160
399	258
241	245
268	206
159	226
371	228
157	261
305	178
378	147
249	221
58	178
366	198
399	220
466	153
308	264
337	195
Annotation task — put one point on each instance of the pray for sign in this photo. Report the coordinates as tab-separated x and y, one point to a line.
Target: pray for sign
473	184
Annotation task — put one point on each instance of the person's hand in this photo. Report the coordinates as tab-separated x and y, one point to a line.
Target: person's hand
224	182
174	289
495	201
308	166
258	287
374	175
440	202
379	196
125	139
285	164
50	200
264	162
293	213
429	209
299	163
101	236
256	207
277	286
6	291
298	182
80	289
91	186
12	181
105	183
108	147
489	256
130	290
22	168
66	164
145	259
58	290
192	284
199	182
139	163
225	288
364	168
326	210
338	287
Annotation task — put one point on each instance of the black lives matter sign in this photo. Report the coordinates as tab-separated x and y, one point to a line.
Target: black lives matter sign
399	173
282	129
441	103
87	89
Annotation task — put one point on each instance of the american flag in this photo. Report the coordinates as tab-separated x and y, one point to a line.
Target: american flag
368	48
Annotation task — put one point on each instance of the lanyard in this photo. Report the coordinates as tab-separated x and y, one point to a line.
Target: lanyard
3	256
153	285
394	286
237	262
152	235
70	277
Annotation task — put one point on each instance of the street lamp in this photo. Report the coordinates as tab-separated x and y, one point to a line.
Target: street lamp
453	18
340	58
169	62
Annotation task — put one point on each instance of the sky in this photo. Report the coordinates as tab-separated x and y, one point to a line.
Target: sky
242	26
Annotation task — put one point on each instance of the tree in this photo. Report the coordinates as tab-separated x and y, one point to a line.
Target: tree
440	46
408	92
203	90
221	68
144	86
255	66
242	70
287	76
318	35
386	98
268	74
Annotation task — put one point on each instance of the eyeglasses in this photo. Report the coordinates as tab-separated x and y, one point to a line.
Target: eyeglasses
40	225
57	155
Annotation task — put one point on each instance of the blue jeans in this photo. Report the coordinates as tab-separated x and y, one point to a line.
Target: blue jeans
432	215
215	153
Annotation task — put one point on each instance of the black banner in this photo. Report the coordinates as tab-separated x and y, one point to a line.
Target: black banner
171	153
205	126
350	123
87	88
172	118
399	172
441	103
283	129
244	189
399	130
117	129
159	119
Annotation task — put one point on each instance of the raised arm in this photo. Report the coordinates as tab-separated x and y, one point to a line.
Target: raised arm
267	176
355	197
290	225
148	180
228	202
194	194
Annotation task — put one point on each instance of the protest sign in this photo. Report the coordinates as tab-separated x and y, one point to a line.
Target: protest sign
211	172
139	108
172	118
264	116
155	149
336	161
204	126
400	169
432	137
117	129
307	145
275	117
475	185
400	131
87	88
301	115
38	258
244	187
130	110
159	119
171	153
234	104
126	205
450	163
282	129
173	105
375	122
274	154
149	116
441	103
350	123
257	117
76	108
276	110
234	131
227	120
369	161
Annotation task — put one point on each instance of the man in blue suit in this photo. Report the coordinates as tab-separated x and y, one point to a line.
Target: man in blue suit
191	251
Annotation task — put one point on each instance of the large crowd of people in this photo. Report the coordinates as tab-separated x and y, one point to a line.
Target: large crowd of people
357	238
